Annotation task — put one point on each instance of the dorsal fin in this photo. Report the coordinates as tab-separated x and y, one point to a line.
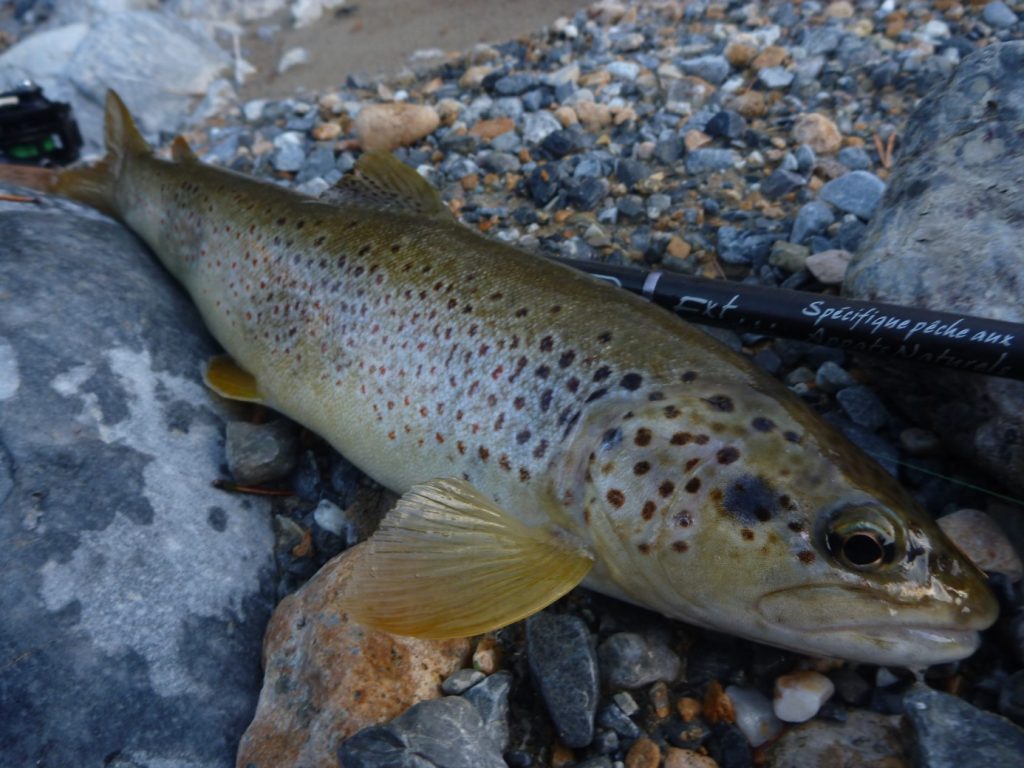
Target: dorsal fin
181	152
383	182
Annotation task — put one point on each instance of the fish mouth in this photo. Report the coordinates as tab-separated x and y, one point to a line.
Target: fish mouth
865	625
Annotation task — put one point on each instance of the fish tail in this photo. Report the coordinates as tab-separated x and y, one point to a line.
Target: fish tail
95	184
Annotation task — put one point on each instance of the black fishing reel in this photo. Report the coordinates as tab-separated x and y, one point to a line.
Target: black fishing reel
35	130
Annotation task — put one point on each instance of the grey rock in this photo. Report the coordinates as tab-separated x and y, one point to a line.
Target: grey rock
490	697
788	257
740	247
856	192
443	733
775	78
629	172
713	68
947	732
499	162
832	377
805	159
158	65
260	453
461	681
537	126
780	183
291	152
564	667
514	84
864	739
1011	697
999	15
948	235
726	124
863	407
854	158
706	160
630	660
624	70
134	595
813	219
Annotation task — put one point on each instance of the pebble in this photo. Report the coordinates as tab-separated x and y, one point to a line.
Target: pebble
917	441
832	377
630	660
392	125
979	537
865	739
726	124
817	132
813	219
330	517
490	697
775	78
643	754
780	183
538	125
461	681
447	732
856	192
863	407
754	715
260	453
800	695
788	257
686	758
947	732
713	68
710	160
293	57
564	666
291	153
829	267
999	15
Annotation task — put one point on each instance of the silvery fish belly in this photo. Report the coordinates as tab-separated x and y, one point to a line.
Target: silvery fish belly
544	428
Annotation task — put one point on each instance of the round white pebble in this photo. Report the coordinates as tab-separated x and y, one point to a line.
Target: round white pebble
799	696
754	716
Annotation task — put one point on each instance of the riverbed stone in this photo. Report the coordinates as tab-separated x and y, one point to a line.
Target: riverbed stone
947	236
134	594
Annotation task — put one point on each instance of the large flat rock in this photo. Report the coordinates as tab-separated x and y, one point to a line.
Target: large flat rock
133	595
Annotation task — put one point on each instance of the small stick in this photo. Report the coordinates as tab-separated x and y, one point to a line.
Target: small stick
18	199
230	487
963	342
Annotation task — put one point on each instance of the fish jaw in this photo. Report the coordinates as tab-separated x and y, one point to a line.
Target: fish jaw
855	624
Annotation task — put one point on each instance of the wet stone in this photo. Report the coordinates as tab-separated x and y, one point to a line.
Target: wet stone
260	453
713	68
999	15
446	732
461	681
726	124
780	183
856	192
863	407
832	377
813	219
564	667
706	160
490	697
630	660
947	732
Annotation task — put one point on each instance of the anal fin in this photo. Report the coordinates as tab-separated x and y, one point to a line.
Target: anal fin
447	562
225	377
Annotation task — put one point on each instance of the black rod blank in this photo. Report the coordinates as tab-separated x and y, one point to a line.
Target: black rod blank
963	342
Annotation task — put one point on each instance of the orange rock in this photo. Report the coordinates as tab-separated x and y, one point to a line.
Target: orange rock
326	677
818	132
326	131
741	51
772	56
593	116
566	116
685	758
717	705
695	139
392	125
490	129
643	754
749	103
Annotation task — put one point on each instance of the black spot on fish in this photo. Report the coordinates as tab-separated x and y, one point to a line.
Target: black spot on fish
541	448
542	372
671	412
689	376
762	424
616	497
750	499
680	546
631	381
693	485
666	489
681	438
721	403
793	437
523	436
747	534
572	384
728	455
545	399
566	359
547	344
643	437
648	510
605	337
806	557
656	396
602	373
597	394
796	526
641	468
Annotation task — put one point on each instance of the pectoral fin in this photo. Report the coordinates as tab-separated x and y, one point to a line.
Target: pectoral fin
447	562
225	377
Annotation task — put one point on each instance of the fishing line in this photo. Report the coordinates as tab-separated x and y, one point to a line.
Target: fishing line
964	483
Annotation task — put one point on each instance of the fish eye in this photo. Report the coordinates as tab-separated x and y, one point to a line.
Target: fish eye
863	538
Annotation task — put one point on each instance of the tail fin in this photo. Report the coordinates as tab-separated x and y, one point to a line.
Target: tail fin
94	184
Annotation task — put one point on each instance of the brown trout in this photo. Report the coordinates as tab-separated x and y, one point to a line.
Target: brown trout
546	429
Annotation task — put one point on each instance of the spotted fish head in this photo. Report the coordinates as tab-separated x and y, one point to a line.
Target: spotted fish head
739	510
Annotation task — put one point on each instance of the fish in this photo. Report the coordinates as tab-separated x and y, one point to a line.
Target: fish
544	430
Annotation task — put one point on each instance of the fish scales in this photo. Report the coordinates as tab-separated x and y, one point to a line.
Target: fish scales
543	426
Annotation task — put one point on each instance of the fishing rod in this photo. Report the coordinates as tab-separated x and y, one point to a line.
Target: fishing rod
962	342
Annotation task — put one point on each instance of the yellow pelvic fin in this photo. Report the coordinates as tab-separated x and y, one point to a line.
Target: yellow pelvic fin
447	562
382	181
94	184
181	152
225	377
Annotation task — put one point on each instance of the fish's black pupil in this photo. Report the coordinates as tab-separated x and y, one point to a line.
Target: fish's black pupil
863	549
